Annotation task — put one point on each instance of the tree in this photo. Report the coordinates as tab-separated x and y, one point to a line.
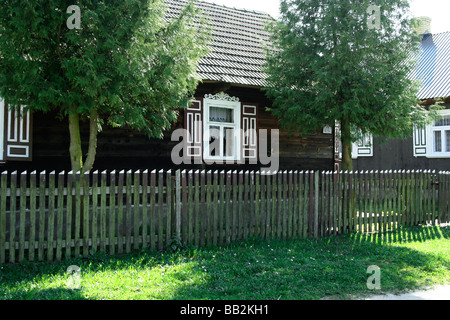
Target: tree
345	61
115	62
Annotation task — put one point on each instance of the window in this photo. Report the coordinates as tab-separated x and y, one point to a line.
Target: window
433	141
221	130
440	135
363	147
360	148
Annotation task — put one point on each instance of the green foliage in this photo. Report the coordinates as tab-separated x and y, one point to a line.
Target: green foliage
129	62
328	65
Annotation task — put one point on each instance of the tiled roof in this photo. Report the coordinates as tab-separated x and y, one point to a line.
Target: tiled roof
433	68
237	48
239	36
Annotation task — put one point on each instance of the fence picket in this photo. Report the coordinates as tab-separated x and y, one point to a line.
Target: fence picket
264	197
137	189
153	209
444	194
59	217
414	197
128	213
12	218
42	180
258	226
169	203
276	189
95	216
103	199
145	211
32	237
234	220
228	209
243	204
202	213
3	197
216	208
161	210
222	211
22	210
209	209
240	200
184	208
69	215
120	224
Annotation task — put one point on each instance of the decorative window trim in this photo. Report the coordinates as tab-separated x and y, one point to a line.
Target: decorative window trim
327	130
429	136
16	133
222	100
363	147
221	96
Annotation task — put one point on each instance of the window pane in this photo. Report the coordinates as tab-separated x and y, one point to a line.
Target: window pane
437	141
447	141
366	139
228	142
214	141
442	122
221	115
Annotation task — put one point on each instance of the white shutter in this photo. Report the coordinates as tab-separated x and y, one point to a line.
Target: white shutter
193	117
420	141
2	129
249	115
337	146
17	145
363	147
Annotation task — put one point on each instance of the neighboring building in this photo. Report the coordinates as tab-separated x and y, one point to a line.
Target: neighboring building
429	147
229	107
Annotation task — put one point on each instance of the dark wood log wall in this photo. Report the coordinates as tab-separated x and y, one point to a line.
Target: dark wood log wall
125	149
398	154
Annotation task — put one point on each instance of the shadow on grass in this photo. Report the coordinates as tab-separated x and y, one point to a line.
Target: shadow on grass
405	234
48	294
334	267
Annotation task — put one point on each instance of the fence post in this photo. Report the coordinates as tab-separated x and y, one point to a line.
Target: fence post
316	204
178	203
3	188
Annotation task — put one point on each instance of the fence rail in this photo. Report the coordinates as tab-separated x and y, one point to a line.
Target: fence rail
49	216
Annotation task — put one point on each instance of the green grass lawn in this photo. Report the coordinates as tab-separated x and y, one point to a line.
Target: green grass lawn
333	267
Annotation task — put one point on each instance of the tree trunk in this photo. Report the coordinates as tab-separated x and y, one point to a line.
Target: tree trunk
76	153
347	165
76	157
92	149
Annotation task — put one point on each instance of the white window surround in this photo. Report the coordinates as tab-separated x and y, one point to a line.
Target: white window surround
235	106
430	138
363	147
2	128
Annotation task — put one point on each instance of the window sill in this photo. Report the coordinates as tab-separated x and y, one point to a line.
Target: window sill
439	156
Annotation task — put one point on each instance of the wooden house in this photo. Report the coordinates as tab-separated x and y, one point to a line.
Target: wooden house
230	108
426	148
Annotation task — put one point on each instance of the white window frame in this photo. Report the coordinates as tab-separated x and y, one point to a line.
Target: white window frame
2	129
430	129
362	149
236	125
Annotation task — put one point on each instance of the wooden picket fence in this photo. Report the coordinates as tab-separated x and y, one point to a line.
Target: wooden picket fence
55	216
